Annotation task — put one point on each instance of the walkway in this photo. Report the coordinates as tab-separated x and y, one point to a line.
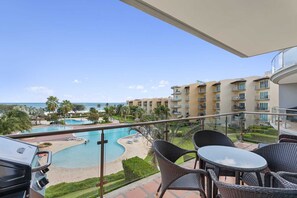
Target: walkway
147	188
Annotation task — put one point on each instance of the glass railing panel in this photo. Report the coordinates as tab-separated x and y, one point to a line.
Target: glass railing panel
74	171
258	129
290	57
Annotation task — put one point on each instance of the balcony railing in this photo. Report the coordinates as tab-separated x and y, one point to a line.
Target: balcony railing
216	90
261	109
176	93
238	108
201	106
217	98
285	58
238	98
263	98
201	99
187	99
258	87
238	89
175	99
175	106
99	138
201	91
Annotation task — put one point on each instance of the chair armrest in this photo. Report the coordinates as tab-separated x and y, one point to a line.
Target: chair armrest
290	176
196	171
281	181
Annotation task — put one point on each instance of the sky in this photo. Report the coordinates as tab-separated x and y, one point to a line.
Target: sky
103	51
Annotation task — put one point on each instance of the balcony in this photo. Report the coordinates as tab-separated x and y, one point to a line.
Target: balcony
216	90
262	109
201	107
238	98
238	108
176	113
265	98
175	106
187	106
201	91
134	147
284	67
238	89
187	99
258	87
217	98
175	99
176	93
201	99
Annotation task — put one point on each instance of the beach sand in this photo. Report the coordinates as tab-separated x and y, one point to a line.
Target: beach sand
57	174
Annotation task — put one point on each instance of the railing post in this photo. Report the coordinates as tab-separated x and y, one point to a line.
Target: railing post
202	123
278	125
166	132
102	142
226	125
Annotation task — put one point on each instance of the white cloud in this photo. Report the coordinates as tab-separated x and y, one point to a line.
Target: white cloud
137	87
40	90
144	91
76	81
162	83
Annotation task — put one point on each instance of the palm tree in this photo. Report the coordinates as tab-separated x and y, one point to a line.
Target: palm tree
14	120
139	113
65	107
125	110
52	103
162	112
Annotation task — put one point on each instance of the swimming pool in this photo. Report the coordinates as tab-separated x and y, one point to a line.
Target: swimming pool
49	129
87	155
77	121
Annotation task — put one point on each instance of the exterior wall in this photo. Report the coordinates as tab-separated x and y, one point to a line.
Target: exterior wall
288	95
149	104
193	102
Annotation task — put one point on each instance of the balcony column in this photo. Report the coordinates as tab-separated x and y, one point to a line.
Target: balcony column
101	143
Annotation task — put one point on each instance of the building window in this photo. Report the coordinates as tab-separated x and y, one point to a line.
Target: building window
241	86
264	84
242	96
264	95
217	105
263	106
242	106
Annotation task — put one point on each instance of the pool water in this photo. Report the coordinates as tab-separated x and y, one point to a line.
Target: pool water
88	155
49	129
77	122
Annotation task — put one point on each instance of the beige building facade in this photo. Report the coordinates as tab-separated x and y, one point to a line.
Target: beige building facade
149	104
254	94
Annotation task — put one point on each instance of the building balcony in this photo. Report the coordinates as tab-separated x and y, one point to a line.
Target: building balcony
201	99
216	90
187	106
176	113
216	108
175	106
238	108
187	99
175	99
261	109
217	99
284	67
202	91
237	98
238	89
262	98
258	87
176	93
202	107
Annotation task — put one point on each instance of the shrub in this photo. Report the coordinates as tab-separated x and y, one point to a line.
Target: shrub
179	134
260	137
136	168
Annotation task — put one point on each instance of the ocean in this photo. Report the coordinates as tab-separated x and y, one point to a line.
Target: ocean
88	105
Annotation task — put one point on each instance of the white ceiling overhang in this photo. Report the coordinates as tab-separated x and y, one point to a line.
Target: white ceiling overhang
243	27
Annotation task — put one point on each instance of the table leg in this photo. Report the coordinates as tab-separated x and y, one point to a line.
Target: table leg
215	189
237	177
259	179
202	166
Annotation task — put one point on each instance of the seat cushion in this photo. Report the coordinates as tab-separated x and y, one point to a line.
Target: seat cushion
187	182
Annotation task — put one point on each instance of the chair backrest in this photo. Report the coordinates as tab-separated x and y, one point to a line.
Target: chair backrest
209	137
280	157
235	191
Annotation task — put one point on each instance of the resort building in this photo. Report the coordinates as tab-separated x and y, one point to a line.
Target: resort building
251	94
148	104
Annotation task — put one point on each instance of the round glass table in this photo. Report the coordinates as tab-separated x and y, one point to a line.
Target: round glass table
232	159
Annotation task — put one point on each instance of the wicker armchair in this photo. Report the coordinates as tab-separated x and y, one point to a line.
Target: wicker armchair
238	191
174	176
207	138
279	157
287	138
289	176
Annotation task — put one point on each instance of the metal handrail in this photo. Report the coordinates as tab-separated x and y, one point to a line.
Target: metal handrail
116	126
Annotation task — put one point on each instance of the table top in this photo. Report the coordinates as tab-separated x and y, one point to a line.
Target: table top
232	158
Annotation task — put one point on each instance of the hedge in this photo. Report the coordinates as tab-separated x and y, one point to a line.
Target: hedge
260	137
136	168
